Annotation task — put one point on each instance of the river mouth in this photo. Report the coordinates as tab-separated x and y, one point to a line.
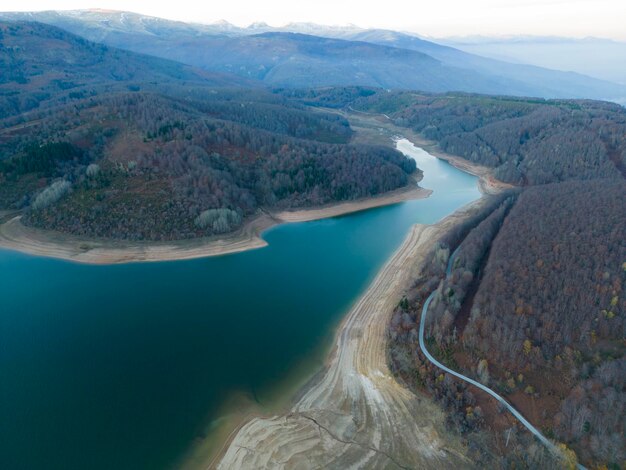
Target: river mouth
124	366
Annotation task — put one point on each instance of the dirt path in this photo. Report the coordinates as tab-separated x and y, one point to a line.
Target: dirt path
356	414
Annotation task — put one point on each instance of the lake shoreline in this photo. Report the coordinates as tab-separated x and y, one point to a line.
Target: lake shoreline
360	350
487	183
355	364
383	288
367	123
40	242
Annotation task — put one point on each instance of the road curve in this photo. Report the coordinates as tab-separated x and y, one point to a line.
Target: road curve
544	440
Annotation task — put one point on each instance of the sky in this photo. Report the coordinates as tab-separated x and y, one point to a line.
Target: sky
434	18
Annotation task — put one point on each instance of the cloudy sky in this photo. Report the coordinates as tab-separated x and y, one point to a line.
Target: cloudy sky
436	18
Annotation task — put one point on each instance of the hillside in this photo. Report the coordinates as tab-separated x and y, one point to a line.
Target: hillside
550	309
47	64
161	153
297	60
534	304
525	141
534	309
324	56
523	79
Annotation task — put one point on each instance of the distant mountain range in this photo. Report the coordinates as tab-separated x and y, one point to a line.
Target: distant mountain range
50	65
324	56
596	57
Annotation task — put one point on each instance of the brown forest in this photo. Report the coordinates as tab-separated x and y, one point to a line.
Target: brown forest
165	151
525	141
535	309
101	142
534	306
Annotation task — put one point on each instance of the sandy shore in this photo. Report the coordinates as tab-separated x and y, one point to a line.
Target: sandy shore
16	236
335	210
355	414
487	182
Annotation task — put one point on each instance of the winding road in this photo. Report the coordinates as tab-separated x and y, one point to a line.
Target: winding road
544	440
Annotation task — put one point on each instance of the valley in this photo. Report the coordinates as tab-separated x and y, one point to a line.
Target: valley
305	246
353	242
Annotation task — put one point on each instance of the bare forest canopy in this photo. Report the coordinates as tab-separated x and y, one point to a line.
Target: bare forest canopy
526	141
535	305
534	308
102	142
142	156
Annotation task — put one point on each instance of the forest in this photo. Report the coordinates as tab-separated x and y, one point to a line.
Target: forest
73	68
166	152
105	143
534	308
551	304
525	141
162	162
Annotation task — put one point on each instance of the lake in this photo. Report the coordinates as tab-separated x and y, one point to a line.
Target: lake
125	366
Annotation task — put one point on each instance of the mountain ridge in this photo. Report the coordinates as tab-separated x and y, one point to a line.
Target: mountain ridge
200	45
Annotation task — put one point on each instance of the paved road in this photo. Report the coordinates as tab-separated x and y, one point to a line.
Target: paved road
544	440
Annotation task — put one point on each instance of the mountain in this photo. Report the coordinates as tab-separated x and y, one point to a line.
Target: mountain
313	29
332	56
542	81
101	142
104	25
297	60
45	63
596	57
276	58
100	24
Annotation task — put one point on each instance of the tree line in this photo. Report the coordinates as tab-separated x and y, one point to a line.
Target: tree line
534	305
163	161
526	141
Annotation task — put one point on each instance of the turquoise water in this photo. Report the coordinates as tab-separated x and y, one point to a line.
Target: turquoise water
123	366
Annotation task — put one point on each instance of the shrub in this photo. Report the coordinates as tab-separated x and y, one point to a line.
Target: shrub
52	194
218	220
93	170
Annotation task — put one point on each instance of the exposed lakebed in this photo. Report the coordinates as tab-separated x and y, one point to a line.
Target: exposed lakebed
124	366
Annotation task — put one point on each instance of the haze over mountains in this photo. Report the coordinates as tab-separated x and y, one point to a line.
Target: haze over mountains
596	57
73	68
308	55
